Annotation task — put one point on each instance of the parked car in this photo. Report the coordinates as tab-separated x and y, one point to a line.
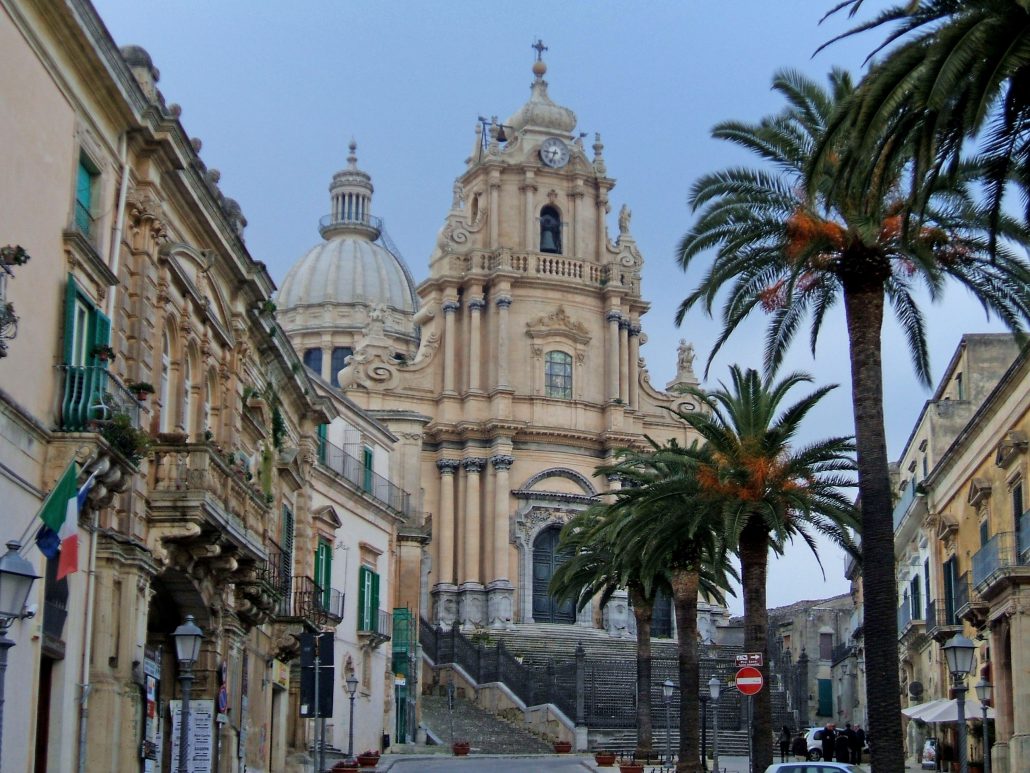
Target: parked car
813	767
814	742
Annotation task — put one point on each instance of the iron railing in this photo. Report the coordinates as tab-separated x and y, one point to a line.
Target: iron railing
1024	538
908	614
332	603
965	595
380	624
365	479
93	394
939	619
908	496
999	552
327	222
302	600
84	220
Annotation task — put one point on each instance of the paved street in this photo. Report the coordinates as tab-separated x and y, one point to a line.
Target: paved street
497	764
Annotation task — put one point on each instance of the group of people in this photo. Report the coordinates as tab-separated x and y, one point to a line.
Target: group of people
841	745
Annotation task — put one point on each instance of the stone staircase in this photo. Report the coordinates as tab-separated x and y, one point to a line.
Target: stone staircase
486	732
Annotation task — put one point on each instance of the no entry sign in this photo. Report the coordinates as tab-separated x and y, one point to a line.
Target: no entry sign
749	680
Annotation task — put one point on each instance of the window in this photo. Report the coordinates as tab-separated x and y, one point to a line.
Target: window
825	646
926	466
825	698
915	592
960	390
85	328
85	185
323	449
209	398
1017	502
337	362
926	584
286	557
367	460
558	375
166	384
324	569
368	599
313	360
950	580
187	388
550	230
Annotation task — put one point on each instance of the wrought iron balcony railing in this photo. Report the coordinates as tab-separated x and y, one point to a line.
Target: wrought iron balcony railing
375	485
1002	553
941	622
84	220
378	626
91	393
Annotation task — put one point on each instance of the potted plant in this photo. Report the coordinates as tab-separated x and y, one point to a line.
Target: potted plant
460	748
125	438
267	307
141	389
562	747
630	765
604	759
103	352
368	759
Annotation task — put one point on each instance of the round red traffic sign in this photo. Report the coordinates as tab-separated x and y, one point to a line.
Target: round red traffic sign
749	680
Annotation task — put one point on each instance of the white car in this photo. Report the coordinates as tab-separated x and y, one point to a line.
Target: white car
813	767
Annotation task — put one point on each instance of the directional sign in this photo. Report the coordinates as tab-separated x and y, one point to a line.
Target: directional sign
749	659
749	680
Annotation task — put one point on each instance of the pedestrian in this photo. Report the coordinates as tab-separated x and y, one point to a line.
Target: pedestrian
784	743
841	749
828	734
855	744
860	743
801	746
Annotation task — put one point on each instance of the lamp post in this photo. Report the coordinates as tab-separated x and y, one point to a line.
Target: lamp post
667	688
984	691
713	691
704	730
187	649
352	688
959	651
16	578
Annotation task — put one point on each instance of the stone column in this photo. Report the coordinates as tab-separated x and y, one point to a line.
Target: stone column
471	595
613	317
528	188
503	304
475	307
495	208
500	591
444	590
624	360
1018	667
449	309
327	363
634	359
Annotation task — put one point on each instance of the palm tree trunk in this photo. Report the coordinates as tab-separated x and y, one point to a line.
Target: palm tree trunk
685	583
863	303
643	610
754	564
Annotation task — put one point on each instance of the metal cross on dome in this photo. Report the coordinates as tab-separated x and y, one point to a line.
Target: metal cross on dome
540	48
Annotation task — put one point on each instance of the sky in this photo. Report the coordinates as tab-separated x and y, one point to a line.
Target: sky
275	91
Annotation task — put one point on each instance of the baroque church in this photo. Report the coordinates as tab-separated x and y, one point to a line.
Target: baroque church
508	375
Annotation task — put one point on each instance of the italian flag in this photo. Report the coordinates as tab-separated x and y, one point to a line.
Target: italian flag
60	516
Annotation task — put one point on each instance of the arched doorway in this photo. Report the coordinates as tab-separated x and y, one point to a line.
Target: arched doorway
547	558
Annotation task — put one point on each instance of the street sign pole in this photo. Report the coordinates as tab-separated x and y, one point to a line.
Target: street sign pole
316	761
750	736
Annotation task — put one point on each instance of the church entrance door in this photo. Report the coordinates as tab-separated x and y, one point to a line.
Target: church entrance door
547	558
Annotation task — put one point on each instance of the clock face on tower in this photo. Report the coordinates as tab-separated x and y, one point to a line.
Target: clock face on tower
554	153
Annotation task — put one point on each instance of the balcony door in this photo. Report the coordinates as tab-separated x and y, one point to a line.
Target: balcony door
546	559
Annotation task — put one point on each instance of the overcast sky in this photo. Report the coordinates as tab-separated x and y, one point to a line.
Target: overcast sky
276	90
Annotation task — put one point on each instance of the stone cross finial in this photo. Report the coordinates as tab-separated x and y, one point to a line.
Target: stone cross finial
540	48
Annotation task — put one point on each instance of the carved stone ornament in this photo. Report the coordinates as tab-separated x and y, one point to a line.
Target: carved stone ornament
559	323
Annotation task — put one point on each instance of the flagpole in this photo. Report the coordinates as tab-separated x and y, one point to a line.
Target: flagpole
26	543
88	643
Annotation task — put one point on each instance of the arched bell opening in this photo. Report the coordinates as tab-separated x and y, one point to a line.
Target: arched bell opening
550	230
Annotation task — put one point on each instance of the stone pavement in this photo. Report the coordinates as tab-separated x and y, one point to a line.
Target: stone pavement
564	763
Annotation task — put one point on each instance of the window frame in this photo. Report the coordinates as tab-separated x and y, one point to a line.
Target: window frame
554	390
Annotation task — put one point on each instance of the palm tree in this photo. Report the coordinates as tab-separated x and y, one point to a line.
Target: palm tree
596	568
671	529
960	70
766	491
791	243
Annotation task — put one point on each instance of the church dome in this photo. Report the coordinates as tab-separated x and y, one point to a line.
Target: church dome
355	264
541	112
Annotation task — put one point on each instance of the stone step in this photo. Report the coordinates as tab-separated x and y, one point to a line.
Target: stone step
624	742
486	732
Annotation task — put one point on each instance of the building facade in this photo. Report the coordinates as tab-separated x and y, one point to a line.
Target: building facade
148	354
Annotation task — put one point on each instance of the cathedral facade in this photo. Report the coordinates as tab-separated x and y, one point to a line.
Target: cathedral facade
509	374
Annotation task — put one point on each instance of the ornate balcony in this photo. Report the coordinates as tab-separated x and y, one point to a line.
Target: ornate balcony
380	630
968	604
364	480
941	624
910	621
1003	561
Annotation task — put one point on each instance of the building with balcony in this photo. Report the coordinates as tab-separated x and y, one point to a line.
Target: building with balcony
228	481
951	531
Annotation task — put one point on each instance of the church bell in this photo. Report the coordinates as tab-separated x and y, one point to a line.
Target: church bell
547	243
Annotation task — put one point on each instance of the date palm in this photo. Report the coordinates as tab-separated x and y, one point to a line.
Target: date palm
765	490
790	242
663	522
596	568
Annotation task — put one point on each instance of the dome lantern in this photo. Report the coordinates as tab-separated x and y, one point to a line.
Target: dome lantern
351	202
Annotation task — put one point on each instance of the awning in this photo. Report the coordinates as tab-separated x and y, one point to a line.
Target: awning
946	710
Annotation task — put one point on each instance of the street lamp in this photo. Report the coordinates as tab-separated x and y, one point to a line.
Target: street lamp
16	578
187	649
352	688
704	730
667	688
713	690
959	651
984	691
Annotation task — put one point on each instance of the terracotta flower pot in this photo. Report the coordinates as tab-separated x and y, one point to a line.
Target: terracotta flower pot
368	760
562	747
604	759
460	748
631	767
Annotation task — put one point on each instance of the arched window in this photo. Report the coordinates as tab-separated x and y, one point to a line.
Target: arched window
166	396
340	355
558	375
313	360
209	400
550	230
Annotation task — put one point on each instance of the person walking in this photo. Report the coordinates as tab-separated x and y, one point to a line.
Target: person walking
828	734
841	747
784	743
801	746
859	745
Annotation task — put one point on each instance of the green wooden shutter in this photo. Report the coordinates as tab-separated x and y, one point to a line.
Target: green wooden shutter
367	459
825	698
363	573
373	611
324	569
70	294
322	435
286	558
